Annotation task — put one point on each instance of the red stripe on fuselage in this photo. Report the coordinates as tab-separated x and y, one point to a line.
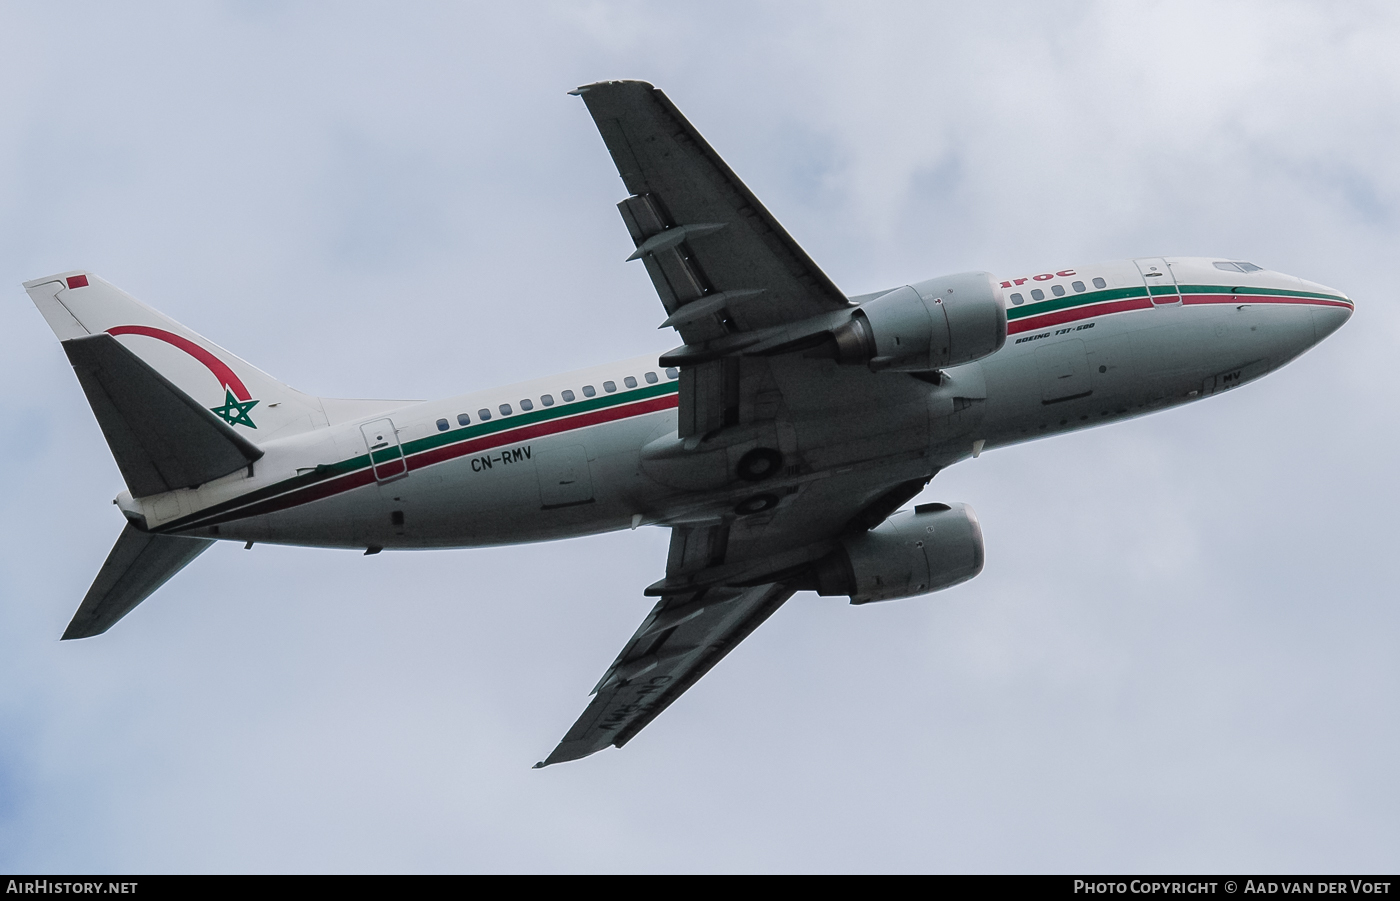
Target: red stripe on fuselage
1074	314
1058	317
1246	299
540	429
421	459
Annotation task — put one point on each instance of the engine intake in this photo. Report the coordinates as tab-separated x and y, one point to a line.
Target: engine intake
909	554
941	322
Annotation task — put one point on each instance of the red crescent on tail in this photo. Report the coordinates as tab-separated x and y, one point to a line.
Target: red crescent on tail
226	376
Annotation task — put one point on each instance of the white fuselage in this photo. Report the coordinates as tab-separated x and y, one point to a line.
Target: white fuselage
1094	348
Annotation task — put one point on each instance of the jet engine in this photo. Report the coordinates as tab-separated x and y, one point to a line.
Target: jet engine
934	547
941	322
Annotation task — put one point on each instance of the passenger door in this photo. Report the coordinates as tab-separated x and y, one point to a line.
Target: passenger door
385	452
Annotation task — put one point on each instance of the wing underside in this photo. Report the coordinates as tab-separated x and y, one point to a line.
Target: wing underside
723	580
720	261
680	640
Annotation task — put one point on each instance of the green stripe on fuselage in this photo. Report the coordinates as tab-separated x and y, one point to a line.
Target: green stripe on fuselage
516	420
324	471
1238	289
1051	305
1035	308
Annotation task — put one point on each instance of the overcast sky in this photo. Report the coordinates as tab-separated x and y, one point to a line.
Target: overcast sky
1181	655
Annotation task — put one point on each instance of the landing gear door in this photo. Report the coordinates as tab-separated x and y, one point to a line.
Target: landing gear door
1161	284
385	452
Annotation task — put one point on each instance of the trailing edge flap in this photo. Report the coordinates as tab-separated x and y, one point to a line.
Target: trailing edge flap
161	437
139	563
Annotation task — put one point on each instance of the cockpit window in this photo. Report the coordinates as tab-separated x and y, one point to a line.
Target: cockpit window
1238	266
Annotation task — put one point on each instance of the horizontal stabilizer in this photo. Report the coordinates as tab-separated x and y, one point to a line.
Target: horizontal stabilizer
161	437
139	563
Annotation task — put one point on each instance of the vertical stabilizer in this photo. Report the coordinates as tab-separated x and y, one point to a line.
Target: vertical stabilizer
78	303
139	563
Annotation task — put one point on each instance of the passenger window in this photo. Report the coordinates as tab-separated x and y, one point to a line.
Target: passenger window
505	409
1078	287
442	425
672	373
1037	294
483	414
1057	290
651	378
630	382
527	405
589	391
547	400
1017	299
567	395
610	387
463	419
1100	283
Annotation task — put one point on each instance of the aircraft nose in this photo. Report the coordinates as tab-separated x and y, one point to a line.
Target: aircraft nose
1327	319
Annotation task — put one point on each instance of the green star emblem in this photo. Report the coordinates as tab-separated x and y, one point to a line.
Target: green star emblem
235	411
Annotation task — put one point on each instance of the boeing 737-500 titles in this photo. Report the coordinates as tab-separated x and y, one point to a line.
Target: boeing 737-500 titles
778	442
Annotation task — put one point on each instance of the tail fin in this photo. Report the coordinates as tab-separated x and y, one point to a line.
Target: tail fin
139	563
161	438
77	304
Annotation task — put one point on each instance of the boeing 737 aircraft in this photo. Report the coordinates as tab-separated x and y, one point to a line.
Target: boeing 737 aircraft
778	442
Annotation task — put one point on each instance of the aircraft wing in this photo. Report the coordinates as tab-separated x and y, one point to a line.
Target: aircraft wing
723	579
679	641
719	260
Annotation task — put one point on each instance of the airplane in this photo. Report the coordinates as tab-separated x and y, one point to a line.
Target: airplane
779	442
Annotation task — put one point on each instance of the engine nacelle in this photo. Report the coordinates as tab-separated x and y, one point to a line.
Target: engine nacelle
934	547
941	322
